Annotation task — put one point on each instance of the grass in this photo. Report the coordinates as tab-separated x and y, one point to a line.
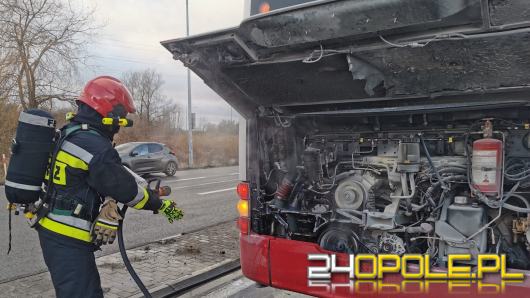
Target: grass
209	149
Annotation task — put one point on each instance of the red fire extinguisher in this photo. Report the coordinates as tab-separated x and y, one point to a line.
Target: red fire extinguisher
487	166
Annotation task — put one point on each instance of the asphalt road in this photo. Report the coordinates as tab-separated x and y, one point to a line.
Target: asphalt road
207	197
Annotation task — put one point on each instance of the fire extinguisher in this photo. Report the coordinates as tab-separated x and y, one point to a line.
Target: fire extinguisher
487	164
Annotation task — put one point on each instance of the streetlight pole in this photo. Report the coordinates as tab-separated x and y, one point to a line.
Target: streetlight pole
190	120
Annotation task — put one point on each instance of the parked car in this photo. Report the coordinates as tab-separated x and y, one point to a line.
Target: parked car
146	158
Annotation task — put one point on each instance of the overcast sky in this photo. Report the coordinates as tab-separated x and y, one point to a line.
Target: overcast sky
130	40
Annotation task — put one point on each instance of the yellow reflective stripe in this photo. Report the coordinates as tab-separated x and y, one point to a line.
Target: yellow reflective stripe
71	160
142	203
106	226
65	230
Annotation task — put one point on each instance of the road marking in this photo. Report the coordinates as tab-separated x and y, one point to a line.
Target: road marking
204	177
216	191
208	183
186	179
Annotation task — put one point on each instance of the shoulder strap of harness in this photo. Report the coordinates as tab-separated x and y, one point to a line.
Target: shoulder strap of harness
69	131
80	128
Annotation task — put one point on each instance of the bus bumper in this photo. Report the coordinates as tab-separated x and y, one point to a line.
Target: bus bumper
283	264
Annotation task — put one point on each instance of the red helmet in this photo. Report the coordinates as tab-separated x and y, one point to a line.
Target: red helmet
105	93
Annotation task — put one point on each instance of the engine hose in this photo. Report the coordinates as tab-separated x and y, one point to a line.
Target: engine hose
452	170
125	258
437	184
516	208
431	163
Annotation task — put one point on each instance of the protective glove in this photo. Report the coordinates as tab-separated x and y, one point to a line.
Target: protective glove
105	226
170	210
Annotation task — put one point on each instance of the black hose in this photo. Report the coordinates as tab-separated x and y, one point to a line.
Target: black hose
10	206
468	166
125	258
452	170
429	192
431	163
516	208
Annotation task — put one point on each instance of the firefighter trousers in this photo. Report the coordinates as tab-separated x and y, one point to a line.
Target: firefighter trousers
72	265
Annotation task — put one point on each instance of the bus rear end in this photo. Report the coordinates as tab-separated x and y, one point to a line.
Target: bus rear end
392	130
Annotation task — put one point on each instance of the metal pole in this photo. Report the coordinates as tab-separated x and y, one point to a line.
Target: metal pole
190	127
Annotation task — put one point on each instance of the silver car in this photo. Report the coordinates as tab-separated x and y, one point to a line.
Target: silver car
146	158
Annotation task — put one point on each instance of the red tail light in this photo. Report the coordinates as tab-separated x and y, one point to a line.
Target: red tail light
243	224
243	191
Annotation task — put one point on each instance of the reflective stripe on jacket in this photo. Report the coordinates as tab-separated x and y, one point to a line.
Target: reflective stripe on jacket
59	227
87	169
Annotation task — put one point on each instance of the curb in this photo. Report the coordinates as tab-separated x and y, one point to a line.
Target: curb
194	280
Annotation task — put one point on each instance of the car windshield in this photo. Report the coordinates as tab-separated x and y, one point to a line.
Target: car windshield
123	148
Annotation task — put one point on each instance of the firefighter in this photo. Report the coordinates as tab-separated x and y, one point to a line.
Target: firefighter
87	170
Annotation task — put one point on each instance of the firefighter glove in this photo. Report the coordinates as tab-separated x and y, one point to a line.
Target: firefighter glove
171	211
106	224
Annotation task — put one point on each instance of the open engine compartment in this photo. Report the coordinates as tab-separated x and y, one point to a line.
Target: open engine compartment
404	132
435	183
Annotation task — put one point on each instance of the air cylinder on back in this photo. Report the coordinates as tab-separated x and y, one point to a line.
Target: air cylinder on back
30	152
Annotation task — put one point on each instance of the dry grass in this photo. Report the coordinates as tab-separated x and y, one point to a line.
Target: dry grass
8	124
209	149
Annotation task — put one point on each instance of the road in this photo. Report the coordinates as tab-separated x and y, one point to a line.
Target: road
207	197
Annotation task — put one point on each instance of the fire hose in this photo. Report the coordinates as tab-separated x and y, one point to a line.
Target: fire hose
162	191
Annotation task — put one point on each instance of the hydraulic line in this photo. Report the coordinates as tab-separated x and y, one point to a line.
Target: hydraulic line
125	258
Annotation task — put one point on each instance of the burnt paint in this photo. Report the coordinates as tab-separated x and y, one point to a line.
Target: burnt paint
505	12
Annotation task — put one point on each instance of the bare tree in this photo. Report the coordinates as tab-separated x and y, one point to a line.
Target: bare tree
169	114
7	59
145	87
45	40
6	81
132	79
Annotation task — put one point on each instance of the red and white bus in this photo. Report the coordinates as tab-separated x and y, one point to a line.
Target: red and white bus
376	128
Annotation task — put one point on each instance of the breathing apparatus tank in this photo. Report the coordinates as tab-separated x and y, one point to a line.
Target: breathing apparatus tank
31	150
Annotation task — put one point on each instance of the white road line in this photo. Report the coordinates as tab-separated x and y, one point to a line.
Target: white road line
208	183
186	179
196	178
216	191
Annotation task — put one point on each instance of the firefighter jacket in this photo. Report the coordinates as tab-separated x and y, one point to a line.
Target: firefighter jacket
88	169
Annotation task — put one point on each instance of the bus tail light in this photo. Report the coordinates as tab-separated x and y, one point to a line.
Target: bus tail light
243	191
243	224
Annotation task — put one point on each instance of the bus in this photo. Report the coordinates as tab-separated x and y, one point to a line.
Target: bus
380	140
